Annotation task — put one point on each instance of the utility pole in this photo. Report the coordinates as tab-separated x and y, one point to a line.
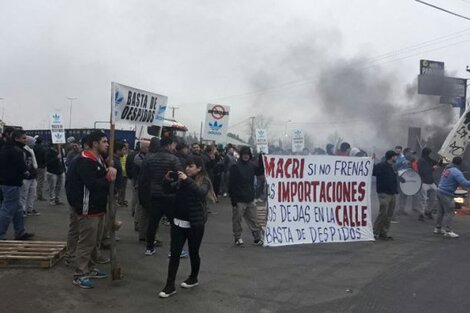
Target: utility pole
252	130
70	117
173	111
200	134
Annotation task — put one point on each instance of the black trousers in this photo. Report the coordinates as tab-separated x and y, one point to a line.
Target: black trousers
158	207
178	238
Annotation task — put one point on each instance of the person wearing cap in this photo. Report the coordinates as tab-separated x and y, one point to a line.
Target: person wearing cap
242	195
387	189
451	178
73	151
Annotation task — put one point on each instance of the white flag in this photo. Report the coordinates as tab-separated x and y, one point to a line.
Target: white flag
458	138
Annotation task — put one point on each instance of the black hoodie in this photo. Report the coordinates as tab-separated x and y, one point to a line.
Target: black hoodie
12	164
242	178
426	167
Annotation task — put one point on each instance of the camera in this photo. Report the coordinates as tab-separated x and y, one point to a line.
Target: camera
173	175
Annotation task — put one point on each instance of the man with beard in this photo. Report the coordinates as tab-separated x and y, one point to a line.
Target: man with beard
87	192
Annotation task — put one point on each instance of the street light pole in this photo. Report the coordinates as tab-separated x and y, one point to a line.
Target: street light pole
70	117
173	111
3	111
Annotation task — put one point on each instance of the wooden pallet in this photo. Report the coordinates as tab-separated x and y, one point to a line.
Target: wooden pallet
43	254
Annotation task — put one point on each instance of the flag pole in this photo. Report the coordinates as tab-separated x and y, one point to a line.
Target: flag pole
115	268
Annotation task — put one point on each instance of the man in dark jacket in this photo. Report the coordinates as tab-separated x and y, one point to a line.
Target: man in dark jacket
242	194
151	195
87	189
12	171
40	153
387	189
54	175
182	153
426	167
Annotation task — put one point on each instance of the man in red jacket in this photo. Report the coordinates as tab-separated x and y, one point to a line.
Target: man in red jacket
87	188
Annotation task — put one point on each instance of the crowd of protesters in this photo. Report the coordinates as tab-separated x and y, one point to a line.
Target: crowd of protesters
175	183
432	199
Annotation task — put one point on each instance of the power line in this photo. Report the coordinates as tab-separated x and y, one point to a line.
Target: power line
239	123
432	42
442	9
373	62
349	121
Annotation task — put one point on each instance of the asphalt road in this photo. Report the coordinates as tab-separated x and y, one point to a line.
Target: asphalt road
417	272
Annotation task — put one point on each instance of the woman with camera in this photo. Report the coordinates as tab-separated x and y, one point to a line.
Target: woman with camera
190	214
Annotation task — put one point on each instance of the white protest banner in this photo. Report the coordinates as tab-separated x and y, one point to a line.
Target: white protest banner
262	140
318	199
458	138
57	129
216	125
137	107
298	141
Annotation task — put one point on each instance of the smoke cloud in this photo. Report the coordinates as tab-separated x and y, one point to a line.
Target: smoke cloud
369	106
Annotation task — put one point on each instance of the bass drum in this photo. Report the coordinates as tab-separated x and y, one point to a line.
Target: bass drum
410	182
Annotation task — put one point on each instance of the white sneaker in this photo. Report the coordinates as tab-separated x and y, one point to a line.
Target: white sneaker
451	234
439	231
150	252
239	242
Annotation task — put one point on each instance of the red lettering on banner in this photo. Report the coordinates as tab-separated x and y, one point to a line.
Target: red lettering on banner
321	192
284	168
362	191
364	215
269	166
279	171
349	215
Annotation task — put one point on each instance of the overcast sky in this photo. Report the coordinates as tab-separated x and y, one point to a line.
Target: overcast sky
199	52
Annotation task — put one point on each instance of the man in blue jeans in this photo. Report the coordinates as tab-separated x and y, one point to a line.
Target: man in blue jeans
12	171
